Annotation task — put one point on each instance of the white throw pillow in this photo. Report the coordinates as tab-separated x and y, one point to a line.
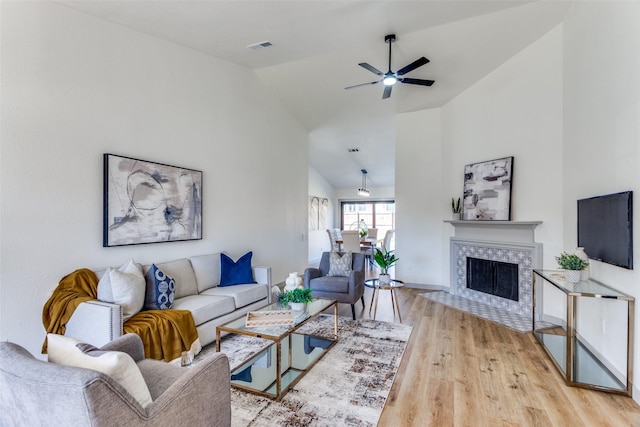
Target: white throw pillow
339	265
124	286
116	364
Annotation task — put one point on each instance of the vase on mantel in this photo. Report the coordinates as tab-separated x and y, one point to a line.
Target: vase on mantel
586	273
455	216
292	282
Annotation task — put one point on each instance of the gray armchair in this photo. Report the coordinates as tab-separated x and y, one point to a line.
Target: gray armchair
38	393
343	289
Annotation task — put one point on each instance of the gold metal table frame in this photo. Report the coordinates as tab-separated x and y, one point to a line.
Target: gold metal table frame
377	286
578	360
258	374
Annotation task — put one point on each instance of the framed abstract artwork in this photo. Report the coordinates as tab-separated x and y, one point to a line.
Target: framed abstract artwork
147	202
487	190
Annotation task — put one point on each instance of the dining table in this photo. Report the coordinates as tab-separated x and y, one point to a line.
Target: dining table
367	241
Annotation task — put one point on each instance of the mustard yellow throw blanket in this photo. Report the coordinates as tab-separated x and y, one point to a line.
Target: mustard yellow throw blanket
165	333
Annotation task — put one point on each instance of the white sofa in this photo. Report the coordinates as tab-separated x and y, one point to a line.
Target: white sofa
197	278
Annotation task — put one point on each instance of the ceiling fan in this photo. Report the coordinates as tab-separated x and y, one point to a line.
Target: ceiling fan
390	78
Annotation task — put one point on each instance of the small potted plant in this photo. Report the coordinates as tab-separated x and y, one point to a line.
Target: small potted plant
573	266
385	260
296	298
456	209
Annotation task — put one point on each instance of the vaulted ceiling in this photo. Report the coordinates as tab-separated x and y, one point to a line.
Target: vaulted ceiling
316	48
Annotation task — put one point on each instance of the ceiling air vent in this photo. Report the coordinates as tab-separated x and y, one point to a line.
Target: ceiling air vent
260	45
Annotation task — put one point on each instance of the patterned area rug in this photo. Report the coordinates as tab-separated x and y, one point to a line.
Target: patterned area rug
348	386
487	312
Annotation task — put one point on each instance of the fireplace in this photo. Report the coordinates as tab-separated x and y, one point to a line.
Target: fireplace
492	263
493	277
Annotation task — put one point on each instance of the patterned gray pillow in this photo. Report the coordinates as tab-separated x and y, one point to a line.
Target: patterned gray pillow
339	265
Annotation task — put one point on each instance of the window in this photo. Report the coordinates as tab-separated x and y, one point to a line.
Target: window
379	214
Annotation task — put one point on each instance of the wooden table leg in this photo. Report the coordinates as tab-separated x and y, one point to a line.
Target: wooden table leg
397	305
372	298
375	310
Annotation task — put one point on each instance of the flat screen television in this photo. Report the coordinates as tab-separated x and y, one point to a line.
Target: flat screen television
605	228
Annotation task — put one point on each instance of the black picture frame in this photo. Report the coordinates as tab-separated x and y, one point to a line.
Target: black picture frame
487	190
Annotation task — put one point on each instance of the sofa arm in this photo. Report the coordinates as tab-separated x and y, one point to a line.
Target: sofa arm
356	279
95	322
203	393
311	273
262	275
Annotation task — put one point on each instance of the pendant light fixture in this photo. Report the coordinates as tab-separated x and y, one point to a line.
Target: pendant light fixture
363	190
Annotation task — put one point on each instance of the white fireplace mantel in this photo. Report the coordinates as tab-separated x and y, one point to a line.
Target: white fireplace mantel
504	241
497	231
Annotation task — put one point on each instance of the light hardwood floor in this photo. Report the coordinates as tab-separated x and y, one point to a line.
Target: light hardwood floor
460	370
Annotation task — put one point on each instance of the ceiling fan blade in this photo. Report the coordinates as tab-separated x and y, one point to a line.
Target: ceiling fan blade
415	64
363	84
417	81
387	92
371	68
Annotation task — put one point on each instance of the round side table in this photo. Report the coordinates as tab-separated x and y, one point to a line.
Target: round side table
377	286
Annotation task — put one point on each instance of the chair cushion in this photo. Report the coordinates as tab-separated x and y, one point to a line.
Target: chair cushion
124	286
161	289
335	284
339	265
241	294
116	364
236	273
204	307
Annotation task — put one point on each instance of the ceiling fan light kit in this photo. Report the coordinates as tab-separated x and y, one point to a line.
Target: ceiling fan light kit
390	78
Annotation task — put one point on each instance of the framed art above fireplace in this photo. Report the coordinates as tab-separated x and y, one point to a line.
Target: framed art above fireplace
487	190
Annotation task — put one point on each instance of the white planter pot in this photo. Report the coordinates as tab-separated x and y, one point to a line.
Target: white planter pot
297	306
384	278
455	216
572	276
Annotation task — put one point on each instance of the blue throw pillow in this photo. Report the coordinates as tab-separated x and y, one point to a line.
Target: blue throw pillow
244	375
236	273
161	290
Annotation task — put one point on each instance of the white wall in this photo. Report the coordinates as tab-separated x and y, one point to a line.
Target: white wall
318	240
75	87
419	198
514	111
602	143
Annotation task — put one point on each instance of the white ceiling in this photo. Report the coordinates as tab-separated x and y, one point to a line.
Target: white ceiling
317	46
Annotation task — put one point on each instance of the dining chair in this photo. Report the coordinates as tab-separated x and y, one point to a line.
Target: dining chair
332	241
386	243
369	250
350	241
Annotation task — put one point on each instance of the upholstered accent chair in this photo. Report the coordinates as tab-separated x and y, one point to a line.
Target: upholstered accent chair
345	289
38	393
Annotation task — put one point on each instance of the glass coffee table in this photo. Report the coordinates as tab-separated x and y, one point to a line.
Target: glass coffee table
377	286
276	369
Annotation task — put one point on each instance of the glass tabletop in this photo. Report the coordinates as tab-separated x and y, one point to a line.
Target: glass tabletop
375	283
589	287
313	308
